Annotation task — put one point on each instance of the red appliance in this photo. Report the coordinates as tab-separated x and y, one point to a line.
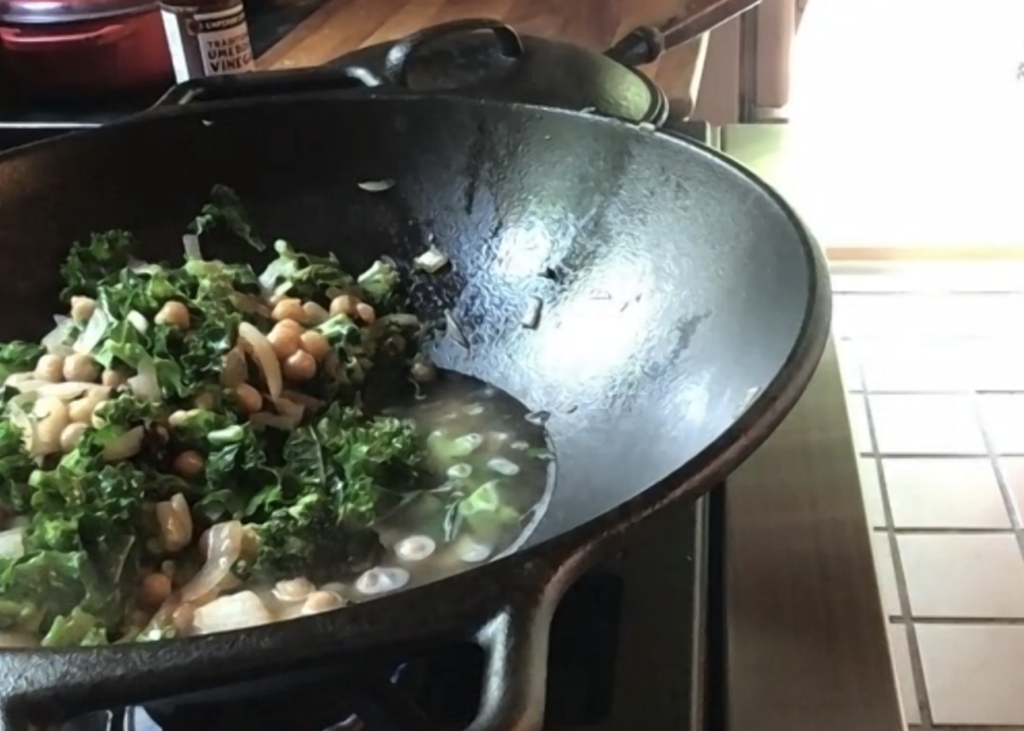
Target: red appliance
83	48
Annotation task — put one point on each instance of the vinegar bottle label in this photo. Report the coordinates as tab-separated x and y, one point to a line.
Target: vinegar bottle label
207	42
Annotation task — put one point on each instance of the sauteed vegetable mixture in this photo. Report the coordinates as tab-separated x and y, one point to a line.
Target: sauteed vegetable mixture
198	447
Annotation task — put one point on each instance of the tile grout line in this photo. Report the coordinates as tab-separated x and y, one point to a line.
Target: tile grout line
920	691
993	457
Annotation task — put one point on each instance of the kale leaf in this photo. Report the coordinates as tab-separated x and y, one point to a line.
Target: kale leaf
18	357
336	475
225	211
105	255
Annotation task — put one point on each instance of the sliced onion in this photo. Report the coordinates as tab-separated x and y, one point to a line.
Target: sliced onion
40	435
258	345
237	611
22	420
55	341
302	399
137	320
48	419
279	268
125	446
415	548
15	378
251	305
275	421
470	551
192	248
316	313
290	410
234	370
225	546
93	333
503	466
65	391
381	580
377	186
432	260
144	384
11	545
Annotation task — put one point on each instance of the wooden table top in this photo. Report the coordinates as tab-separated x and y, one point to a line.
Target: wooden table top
341	26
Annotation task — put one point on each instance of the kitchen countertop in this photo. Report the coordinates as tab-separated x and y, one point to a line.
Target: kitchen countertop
341	26
807	646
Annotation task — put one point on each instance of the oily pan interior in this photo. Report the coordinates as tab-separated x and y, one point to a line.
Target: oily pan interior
671	287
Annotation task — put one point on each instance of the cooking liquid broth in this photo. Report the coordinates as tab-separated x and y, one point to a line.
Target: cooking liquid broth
486	482
497	446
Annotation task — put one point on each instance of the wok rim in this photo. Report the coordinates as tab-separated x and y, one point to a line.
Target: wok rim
468	599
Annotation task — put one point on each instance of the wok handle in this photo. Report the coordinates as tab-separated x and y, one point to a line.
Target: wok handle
396	63
515	643
646	44
269	83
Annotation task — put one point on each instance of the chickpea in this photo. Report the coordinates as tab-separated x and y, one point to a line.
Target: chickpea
80	367
315	313
344	304
284	339
175	314
250	543
315	344
249	399
366	313
82	308
154	590
50	367
189	464
71	435
289	309
113	378
291	324
167	568
300	366
206	401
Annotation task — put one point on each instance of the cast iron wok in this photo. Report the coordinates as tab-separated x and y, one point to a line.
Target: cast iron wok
684	310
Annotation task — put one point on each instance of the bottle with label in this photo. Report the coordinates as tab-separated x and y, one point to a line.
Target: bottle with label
207	37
